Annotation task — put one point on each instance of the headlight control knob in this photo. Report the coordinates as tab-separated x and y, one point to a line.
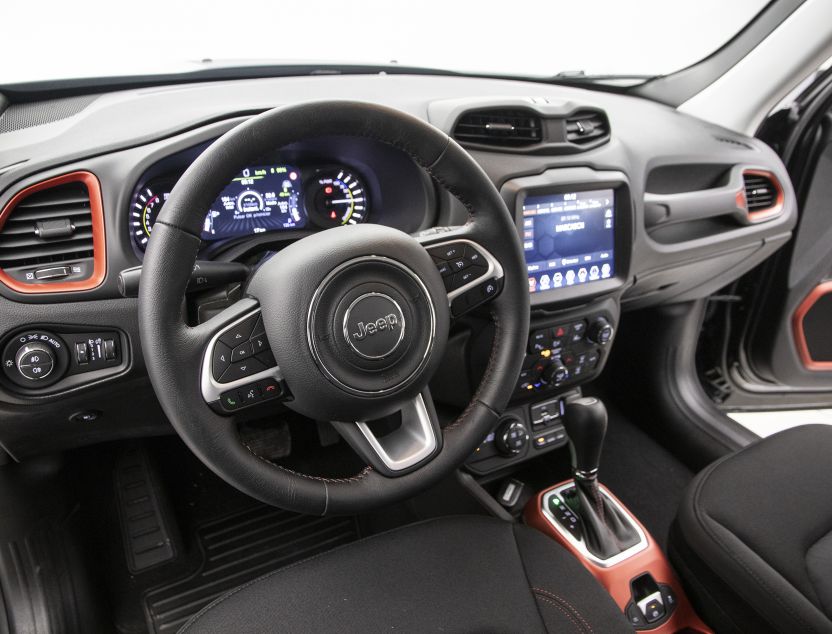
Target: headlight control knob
35	361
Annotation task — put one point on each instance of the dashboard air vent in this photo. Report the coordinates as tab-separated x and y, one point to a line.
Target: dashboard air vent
587	127
53	225
763	194
760	192
52	236
504	127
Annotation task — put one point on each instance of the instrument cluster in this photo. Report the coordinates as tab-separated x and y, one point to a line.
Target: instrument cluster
263	198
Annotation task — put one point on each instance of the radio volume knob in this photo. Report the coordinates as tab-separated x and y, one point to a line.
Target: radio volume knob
35	361
600	331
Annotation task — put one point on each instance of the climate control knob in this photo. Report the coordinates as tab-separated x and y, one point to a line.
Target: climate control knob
511	437
35	361
555	373
600	331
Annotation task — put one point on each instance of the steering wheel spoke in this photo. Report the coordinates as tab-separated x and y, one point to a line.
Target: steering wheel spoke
399	443
238	368
472	276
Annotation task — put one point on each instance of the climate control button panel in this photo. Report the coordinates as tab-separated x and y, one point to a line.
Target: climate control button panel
565	353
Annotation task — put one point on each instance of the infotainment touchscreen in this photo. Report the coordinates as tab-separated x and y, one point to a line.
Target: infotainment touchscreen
568	238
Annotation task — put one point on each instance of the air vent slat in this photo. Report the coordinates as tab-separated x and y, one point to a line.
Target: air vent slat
22	214
499	127
586	127
10	242
760	192
22	246
61	252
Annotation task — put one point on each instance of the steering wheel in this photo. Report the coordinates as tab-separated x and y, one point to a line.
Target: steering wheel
352	321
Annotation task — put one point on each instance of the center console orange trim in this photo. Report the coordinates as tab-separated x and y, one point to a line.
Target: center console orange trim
616	579
98	236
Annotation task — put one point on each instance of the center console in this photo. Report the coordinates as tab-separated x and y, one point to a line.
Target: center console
576	228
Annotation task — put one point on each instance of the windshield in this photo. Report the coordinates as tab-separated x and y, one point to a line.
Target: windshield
100	38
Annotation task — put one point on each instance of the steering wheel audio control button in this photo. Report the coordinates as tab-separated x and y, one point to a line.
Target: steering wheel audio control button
220	359
241	370
239	333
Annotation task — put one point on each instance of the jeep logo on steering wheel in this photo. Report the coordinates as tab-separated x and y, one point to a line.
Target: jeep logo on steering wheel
379	325
369	335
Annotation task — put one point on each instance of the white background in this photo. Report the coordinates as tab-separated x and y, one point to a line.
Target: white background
51	39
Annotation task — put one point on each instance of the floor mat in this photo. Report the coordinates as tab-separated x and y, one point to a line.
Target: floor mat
238	548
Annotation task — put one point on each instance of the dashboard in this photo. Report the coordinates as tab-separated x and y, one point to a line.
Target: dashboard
614	215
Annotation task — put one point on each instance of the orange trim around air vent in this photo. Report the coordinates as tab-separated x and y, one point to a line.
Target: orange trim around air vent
98	236
800	336
771	212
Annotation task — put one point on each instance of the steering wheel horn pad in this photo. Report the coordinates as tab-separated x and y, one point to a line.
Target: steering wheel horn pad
364	277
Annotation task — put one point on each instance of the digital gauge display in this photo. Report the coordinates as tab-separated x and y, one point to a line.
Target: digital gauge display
259	199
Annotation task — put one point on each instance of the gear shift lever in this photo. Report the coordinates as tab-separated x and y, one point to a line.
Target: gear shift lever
586	425
606	530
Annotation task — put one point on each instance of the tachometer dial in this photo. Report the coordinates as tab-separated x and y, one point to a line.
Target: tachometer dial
337	197
144	209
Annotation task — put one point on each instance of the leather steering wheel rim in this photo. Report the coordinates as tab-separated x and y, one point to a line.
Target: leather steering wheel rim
173	350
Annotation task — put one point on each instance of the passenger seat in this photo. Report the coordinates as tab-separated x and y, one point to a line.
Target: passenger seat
753	538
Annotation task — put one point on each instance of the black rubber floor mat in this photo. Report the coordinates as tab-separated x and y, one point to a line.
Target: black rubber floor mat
237	549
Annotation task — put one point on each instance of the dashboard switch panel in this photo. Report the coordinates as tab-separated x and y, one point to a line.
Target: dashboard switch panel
36	359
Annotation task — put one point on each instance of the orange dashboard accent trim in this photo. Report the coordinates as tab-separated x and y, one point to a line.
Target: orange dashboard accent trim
616	579
779	202
825	288
98	235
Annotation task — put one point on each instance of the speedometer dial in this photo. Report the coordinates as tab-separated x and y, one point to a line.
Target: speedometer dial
337	197
145	207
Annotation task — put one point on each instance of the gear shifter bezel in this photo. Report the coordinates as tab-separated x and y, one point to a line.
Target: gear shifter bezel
578	542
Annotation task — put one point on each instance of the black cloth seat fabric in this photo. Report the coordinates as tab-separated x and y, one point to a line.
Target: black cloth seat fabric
457	574
753	537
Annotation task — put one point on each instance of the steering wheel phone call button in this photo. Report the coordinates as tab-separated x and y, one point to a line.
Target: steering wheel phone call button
270	388
230	400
